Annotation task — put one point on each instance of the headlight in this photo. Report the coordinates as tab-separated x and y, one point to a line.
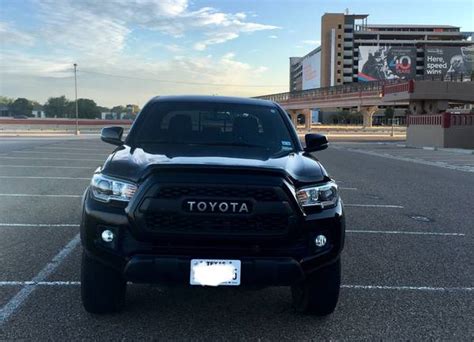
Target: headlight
106	189
322	196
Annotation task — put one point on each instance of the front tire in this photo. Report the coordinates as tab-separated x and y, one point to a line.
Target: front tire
319	292
102	288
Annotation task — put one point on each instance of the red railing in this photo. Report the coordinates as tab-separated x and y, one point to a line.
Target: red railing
434	119
399	88
445	120
462	120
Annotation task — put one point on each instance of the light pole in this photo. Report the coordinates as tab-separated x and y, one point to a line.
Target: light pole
75	89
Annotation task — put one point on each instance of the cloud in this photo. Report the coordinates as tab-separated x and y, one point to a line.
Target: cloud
273	36
94	27
21	64
215	38
311	42
11	35
102	37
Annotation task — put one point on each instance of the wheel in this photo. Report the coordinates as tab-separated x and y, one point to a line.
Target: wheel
318	293
102	288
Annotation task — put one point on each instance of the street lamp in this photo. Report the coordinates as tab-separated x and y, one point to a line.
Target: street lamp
75	88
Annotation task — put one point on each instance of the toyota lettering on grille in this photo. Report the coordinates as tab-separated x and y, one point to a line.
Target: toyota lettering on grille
218	207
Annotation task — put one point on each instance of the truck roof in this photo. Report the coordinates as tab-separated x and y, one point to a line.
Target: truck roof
211	98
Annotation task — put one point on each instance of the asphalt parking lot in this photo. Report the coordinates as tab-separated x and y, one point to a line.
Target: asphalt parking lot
408	269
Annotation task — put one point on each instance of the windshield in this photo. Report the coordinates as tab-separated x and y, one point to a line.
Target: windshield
212	129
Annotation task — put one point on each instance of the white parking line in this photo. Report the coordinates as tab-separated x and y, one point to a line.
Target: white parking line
39	195
344	286
343	188
50	166
72	148
360	231
34	158
38	225
45	177
409	288
403	232
53	152
39	283
14	303
373	205
408	159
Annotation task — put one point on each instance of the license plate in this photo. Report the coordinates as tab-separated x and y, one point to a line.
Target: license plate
214	272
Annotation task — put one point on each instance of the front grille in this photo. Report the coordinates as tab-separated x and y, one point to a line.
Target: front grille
168	223
259	194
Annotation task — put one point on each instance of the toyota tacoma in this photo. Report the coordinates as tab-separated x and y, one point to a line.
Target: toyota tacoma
212	191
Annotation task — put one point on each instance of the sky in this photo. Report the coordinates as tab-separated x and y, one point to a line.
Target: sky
128	51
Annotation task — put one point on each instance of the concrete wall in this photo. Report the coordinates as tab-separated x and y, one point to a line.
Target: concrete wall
459	137
437	136
425	135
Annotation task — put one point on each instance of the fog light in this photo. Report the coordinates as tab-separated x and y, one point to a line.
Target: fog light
320	241
107	236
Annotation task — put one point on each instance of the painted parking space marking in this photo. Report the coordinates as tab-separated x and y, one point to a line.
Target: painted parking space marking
40	283
42	158
354	231
416	160
403	232
45	177
66	283
409	288
40	195
39	225
56	152
50	166
373	205
16	302
71	148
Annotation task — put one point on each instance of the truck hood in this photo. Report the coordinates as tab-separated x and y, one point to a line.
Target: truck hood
134	164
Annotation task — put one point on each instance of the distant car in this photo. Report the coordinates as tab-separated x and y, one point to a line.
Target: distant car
20	117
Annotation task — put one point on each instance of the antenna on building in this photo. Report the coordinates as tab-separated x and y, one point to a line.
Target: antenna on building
347	11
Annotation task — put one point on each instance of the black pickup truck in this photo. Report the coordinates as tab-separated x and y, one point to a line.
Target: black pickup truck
212	191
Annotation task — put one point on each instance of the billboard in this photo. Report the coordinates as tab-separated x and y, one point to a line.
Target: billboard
449	61
386	63
311	71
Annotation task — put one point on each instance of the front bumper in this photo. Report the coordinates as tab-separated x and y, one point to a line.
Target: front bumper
176	270
271	263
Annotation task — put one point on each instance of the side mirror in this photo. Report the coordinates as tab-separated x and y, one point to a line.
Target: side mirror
315	142
112	135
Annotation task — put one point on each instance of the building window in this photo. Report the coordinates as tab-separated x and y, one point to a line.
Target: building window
339	36
339	71
338	45
338	80
338	62
339	26
339	54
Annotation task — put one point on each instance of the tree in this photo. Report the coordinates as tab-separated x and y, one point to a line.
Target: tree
103	109
56	107
6	101
389	112
355	117
118	109
21	106
87	109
